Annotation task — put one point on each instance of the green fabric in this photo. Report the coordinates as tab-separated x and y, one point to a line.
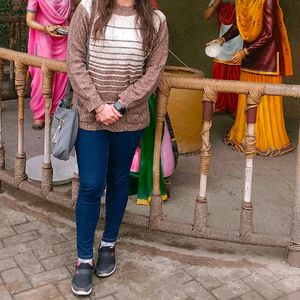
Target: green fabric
141	183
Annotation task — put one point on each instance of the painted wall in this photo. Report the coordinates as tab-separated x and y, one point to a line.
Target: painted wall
189	33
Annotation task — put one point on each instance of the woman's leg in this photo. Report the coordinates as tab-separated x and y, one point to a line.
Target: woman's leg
92	155
122	146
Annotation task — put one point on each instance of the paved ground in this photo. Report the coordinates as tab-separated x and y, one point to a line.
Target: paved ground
37	256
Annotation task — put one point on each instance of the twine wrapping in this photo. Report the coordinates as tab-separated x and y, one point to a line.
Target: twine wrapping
20	167
210	94
246	222
250	150
47	177
253	98
206	149
20	78
2	157
156	215
200	214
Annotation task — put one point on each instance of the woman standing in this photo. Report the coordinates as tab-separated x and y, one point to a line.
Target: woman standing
43	18
224	68
266	57
116	54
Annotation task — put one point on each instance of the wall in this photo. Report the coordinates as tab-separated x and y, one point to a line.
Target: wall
189	33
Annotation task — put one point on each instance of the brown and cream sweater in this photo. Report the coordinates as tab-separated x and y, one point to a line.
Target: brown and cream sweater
117	66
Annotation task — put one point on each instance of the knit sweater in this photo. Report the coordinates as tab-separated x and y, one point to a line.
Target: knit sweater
117	67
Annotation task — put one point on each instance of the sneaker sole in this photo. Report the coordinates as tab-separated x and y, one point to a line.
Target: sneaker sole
82	293
106	274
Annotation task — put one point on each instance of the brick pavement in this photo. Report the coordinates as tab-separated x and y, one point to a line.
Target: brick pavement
37	257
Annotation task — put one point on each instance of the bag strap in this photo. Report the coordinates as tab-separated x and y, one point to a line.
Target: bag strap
67	100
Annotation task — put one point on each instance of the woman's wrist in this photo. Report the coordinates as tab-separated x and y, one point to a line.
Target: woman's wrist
99	109
246	51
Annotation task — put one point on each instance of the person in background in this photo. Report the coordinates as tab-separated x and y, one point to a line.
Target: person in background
266	57
44	18
117	51
224	68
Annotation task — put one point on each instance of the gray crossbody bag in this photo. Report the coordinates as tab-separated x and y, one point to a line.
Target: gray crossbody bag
64	127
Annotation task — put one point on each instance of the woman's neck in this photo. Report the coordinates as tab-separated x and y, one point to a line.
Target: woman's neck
125	2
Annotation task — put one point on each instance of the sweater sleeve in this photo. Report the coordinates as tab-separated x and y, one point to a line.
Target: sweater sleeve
80	78
146	85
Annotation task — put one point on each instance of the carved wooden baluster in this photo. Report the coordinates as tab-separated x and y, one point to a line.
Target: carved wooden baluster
200	211
2	150
161	110
20	161
12	45
47	172
246	219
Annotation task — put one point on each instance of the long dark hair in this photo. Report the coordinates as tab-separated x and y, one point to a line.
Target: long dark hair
103	9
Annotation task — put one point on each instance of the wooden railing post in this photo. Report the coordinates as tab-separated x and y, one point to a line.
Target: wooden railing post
201	209
47	171
246	218
20	161
2	150
156	200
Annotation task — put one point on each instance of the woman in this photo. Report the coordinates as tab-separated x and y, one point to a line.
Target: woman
116	54
44	18
224	68
266	57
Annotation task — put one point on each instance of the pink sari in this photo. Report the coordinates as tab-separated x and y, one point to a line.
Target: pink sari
48	12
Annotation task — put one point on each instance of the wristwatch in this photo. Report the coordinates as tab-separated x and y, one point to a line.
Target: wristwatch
119	107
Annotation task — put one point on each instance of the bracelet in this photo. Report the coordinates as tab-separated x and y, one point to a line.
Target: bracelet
222	40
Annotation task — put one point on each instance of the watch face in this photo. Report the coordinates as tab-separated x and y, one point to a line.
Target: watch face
118	106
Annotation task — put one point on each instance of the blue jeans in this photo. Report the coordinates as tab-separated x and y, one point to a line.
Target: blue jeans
104	159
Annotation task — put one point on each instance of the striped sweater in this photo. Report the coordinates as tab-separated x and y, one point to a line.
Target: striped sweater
117	66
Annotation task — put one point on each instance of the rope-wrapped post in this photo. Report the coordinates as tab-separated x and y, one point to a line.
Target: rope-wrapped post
2	150
161	110
201	210
246	219
20	161
47	172
294	247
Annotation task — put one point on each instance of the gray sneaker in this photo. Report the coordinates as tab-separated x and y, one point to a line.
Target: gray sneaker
82	280
106	263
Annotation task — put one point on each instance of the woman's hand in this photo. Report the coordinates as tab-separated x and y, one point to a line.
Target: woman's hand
50	29
239	56
107	114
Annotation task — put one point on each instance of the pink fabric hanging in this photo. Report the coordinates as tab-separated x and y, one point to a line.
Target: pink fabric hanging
48	12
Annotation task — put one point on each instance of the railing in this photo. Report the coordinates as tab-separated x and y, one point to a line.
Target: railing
17	36
156	221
